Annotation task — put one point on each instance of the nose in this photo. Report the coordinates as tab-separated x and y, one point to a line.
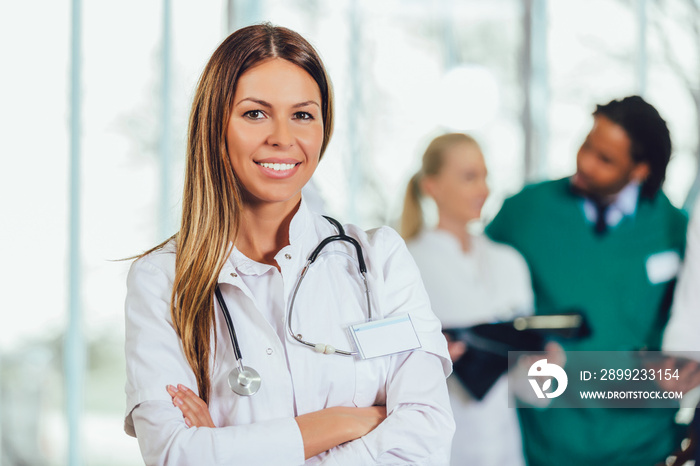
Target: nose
480	187
281	135
485	188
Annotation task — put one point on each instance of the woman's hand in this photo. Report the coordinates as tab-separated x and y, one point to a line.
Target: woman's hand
194	409
456	348
367	419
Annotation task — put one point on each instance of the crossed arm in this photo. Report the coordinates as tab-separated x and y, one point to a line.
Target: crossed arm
418	428
320	430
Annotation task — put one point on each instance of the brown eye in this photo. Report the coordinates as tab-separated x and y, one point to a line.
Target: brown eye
303	116
254	114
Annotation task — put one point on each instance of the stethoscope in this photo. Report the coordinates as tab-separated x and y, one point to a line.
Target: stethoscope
245	380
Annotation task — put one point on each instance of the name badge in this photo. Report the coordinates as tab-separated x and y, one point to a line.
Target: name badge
663	266
384	337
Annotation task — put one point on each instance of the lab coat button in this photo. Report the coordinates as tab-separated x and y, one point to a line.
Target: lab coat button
269	351
234	274
287	256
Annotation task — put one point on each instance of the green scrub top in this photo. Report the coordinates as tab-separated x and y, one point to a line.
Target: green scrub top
607	278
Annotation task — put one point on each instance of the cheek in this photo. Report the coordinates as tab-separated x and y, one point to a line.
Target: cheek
584	161
475	192
311	140
609	174
239	143
480	194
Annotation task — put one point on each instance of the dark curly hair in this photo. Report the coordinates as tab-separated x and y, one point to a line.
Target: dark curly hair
648	133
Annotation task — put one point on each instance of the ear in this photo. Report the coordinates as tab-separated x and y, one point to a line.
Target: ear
428	185
641	172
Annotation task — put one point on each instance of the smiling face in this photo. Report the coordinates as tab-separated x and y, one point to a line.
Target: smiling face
604	163
275	132
459	188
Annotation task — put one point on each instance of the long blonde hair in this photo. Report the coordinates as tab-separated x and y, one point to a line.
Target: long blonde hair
412	221
211	202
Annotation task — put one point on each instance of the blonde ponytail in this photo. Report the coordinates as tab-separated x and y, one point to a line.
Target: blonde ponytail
412	216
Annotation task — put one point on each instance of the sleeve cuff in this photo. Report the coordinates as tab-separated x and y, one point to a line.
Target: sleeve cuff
349	454
285	447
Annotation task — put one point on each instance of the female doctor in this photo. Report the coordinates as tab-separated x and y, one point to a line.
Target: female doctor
470	280
269	388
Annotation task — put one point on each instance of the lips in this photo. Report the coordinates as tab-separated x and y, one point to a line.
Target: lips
278	168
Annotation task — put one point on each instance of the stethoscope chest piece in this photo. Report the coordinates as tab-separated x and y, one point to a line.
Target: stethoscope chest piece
245	382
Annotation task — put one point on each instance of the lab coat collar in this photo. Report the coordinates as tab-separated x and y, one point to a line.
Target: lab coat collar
238	263
299	223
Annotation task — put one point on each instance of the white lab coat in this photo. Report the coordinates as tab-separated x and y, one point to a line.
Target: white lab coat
683	330
489	283
260	429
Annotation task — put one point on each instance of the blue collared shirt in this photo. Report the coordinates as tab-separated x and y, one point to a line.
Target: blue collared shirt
624	204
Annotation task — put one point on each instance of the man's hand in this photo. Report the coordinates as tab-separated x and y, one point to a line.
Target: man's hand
688	373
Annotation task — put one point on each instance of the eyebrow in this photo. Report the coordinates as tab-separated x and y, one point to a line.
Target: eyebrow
268	105
257	101
304	104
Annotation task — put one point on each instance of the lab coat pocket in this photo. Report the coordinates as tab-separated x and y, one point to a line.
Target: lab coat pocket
370	382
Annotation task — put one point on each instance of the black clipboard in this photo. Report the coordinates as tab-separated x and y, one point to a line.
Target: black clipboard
486	358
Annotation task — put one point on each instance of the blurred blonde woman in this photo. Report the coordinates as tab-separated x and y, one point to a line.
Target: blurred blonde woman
470	280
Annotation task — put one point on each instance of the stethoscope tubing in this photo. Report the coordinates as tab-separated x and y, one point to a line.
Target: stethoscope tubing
242	380
341	236
321	348
231	329
250	376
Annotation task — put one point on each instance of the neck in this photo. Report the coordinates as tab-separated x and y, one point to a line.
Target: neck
264	229
458	229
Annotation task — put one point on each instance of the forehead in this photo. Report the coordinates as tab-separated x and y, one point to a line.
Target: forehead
463	152
610	138
277	78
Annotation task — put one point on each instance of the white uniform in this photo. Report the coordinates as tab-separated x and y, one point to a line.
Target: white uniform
261	429
490	283
683	330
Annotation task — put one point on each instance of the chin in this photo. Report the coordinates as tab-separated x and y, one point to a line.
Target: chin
581	188
468	218
271	196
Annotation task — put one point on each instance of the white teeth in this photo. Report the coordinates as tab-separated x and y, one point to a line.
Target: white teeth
277	166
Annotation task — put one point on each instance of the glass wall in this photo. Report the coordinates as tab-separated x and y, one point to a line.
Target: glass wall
403	71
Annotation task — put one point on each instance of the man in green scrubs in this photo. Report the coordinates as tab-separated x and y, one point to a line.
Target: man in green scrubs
608	242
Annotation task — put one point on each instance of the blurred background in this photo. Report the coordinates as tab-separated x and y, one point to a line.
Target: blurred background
94	101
